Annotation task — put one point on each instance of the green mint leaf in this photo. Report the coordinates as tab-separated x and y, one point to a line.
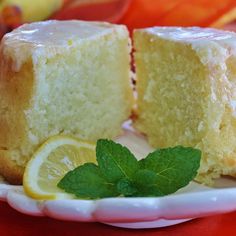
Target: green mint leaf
115	161
174	167
146	184
87	182
126	188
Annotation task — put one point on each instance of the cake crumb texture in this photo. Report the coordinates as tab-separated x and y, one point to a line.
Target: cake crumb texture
69	77
186	84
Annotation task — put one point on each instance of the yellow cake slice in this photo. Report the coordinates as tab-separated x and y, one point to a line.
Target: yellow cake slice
68	77
186	84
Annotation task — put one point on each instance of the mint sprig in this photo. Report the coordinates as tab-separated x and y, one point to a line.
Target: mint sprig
87	182
118	172
115	161
174	167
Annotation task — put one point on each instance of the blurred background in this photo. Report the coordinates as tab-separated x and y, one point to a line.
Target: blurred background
133	13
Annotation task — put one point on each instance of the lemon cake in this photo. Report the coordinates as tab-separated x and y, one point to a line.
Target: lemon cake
61	77
186	84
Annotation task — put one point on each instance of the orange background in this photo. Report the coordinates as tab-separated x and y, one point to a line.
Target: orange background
144	13
136	14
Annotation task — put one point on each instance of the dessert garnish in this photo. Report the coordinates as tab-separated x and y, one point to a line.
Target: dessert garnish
119	173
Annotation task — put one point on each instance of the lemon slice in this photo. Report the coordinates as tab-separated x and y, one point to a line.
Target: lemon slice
57	156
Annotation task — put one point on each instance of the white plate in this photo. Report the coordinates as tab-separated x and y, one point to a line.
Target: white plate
193	201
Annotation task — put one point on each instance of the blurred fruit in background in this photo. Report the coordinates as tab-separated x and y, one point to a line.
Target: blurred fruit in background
33	10
133	13
144	13
16	12
12	16
101	10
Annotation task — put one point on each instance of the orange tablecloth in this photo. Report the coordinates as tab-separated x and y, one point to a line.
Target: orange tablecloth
17	224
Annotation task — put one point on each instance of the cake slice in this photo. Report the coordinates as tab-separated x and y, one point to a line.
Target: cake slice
61	77
186	84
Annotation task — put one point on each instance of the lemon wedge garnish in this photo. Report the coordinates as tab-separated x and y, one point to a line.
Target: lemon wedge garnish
49	164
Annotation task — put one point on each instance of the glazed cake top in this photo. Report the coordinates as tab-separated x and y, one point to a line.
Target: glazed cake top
48	38
58	32
191	34
211	45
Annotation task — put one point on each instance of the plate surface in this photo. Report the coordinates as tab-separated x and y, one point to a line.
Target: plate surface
193	201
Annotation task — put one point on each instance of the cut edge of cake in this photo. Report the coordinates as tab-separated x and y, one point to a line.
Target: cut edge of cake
101	61
186	83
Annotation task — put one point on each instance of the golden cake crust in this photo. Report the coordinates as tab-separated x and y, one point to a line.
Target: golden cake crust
15	93
9	169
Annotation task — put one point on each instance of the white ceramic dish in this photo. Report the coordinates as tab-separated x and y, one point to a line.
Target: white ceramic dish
193	201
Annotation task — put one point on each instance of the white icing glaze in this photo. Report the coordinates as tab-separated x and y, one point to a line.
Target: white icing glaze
191	34
51	37
57	32
214	47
